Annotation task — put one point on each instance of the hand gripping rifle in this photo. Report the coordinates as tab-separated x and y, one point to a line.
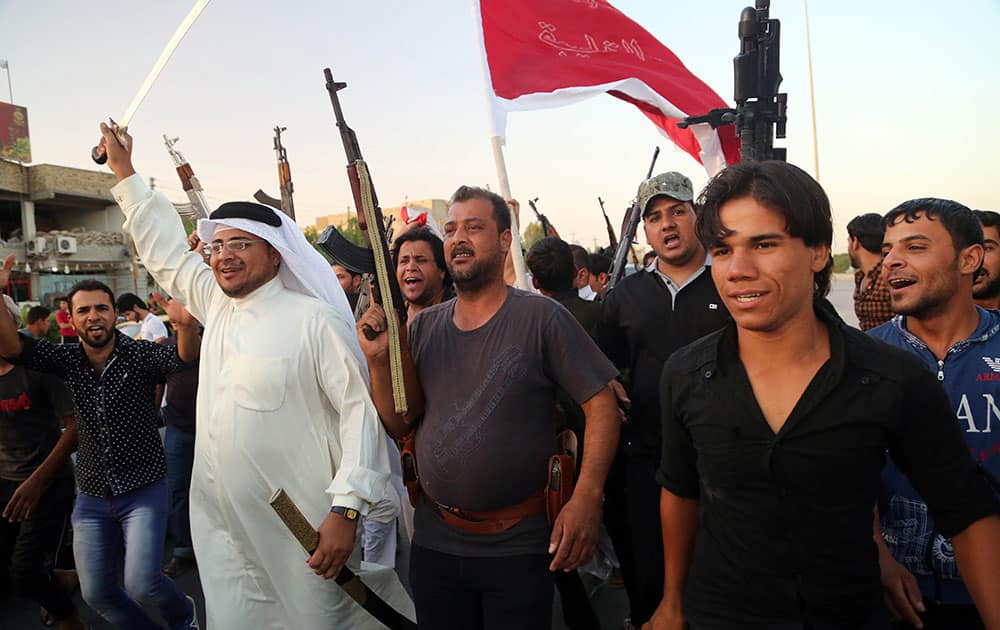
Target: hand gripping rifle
631	223
386	290
284	174
760	110
189	181
547	228
612	239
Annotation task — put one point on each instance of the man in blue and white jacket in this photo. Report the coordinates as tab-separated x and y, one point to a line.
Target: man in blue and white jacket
933	249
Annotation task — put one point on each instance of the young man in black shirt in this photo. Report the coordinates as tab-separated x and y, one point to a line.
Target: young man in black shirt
645	318
120	464
775	430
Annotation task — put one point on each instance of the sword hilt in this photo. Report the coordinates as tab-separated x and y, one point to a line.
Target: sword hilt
101	158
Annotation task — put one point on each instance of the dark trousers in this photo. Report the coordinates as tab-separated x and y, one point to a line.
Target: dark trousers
632	516
178	448
26	547
577	611
946	617
458	593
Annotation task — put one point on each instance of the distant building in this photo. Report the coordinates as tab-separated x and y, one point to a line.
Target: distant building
63	226
438	208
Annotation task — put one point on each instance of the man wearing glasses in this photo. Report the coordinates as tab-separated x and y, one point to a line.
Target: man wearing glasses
282	403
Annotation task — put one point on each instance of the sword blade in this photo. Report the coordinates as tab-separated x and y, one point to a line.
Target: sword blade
179	34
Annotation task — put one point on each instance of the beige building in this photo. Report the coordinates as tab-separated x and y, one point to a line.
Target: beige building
437	208
63	226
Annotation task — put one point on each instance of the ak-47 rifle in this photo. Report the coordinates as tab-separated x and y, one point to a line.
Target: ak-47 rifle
631	223
547	228
760	110
612	239
284	174
189	181
386	289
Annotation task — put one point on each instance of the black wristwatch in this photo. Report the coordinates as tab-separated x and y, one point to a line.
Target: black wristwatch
349	513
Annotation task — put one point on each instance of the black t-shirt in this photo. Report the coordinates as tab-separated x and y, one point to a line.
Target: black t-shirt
785	532
641	325
488	426
182	394
31	405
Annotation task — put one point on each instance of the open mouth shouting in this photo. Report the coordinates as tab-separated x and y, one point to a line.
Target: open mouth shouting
672	241
461	253
898	283
412	285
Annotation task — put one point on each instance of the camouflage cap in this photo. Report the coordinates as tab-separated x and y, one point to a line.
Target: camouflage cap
671	184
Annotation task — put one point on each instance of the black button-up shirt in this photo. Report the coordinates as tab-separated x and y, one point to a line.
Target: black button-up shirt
119	444
785	532
642	323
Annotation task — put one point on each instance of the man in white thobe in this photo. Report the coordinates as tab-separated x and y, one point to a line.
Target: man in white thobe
283	402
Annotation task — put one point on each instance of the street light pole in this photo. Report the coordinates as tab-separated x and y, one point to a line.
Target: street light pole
6	66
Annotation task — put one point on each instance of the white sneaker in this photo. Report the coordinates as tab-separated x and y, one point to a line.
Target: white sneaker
192	624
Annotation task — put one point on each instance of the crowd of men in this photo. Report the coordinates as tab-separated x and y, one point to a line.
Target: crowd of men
756	462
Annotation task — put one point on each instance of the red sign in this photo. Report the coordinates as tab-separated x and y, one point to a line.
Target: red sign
14	142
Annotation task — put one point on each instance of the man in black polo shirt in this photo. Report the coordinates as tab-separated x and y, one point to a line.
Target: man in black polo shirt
122	499
645	318
775	430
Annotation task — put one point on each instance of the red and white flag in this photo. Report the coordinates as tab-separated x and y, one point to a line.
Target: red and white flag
549	53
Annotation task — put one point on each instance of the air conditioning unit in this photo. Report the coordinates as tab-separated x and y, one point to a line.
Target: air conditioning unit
36	247
66	245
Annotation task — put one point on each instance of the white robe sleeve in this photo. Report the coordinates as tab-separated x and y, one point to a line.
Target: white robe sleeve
159	238
362	475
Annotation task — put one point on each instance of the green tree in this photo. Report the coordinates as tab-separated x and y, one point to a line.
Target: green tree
350	230
841	263
532	234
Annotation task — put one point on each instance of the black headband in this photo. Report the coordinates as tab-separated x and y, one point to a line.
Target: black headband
246	210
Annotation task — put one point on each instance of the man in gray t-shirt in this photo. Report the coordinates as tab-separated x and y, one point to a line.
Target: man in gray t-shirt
489	365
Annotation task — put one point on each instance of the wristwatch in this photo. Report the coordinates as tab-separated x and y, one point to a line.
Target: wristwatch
349	513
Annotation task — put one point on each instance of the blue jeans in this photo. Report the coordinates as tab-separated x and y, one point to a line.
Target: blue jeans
178	447
139	519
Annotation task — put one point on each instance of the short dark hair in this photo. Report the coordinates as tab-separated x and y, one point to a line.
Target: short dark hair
128	301
550	261
648	258
988	218
961	223
782	187
581	259
869	231
36	313
501	213
598	264
90	285
354	274
428	236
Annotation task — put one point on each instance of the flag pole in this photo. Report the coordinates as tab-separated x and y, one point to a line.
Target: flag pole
517	256
812	94
496	142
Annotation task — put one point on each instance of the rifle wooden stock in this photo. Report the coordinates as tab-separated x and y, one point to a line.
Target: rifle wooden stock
612	239
375	234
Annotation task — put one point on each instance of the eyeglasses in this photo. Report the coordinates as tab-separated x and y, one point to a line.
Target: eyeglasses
235	245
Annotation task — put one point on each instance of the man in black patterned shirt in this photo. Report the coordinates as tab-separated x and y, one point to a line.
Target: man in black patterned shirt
120	464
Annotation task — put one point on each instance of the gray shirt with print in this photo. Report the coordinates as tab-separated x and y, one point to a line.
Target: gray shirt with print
488	426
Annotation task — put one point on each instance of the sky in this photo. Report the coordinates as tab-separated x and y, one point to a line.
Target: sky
906	94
